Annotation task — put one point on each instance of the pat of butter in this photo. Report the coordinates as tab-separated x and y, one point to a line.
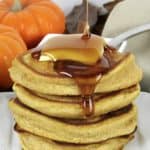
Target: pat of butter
73	47
87	56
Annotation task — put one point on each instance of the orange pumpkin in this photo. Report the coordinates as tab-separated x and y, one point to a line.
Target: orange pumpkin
32	18
11	45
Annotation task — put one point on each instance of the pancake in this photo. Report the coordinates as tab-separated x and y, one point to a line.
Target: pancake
40	77
77	102
33	142
55	129
70	107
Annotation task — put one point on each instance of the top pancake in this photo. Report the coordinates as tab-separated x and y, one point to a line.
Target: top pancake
40	76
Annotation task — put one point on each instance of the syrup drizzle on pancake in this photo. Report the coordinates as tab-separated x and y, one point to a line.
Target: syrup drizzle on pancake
86	76
85	73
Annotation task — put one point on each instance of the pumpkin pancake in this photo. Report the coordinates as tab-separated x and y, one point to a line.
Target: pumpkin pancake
114	125
33	142
70	106
41	77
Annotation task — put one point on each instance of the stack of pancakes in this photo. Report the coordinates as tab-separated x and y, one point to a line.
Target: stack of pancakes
48	110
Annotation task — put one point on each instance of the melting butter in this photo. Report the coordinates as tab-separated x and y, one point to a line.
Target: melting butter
73	47
87	56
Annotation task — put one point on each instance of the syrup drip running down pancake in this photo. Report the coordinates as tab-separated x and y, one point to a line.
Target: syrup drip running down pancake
85	64
82	58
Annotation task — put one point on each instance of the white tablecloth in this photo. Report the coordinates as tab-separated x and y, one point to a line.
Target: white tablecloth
9	139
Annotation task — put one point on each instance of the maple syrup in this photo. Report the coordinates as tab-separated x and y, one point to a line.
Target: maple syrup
36	54
86	76
86	32
84	65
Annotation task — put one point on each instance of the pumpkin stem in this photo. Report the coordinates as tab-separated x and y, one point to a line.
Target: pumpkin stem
16	6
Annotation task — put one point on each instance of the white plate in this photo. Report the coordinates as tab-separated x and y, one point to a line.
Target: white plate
10	141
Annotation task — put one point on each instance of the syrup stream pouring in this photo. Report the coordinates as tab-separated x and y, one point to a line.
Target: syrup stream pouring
116	41
80	57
